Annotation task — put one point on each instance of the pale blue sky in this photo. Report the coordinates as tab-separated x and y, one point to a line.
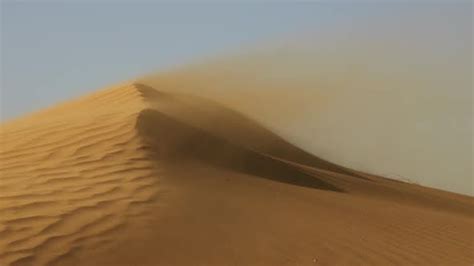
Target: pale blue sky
53	51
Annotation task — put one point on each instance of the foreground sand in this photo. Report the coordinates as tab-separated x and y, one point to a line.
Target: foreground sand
134	176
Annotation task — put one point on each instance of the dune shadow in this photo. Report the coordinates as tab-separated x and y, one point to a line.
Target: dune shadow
231	124
167	138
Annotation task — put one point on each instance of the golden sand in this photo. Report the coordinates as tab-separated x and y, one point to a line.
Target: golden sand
132	175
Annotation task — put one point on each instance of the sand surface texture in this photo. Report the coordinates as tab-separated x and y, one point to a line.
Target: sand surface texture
131	175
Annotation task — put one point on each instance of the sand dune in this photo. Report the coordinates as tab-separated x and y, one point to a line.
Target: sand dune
133	175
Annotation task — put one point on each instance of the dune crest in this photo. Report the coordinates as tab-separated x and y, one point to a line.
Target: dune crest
133	175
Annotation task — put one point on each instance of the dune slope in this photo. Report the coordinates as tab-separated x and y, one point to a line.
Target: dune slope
132	175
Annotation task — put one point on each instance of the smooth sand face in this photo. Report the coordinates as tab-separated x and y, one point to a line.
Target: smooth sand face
137	176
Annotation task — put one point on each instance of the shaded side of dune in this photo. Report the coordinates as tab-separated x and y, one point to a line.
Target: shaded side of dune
180	127
169	139
230	125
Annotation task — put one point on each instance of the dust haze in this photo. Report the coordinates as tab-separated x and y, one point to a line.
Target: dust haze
393	98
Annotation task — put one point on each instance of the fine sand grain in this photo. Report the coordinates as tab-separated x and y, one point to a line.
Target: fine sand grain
132	175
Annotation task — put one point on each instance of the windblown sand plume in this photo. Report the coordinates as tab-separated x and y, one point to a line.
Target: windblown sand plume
132	175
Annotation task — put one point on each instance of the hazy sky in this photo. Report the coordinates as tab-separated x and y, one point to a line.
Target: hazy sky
386	91
53	51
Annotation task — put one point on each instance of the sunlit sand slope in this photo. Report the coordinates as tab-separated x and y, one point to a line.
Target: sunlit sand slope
135	176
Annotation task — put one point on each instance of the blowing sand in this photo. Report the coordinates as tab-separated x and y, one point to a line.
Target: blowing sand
135	176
